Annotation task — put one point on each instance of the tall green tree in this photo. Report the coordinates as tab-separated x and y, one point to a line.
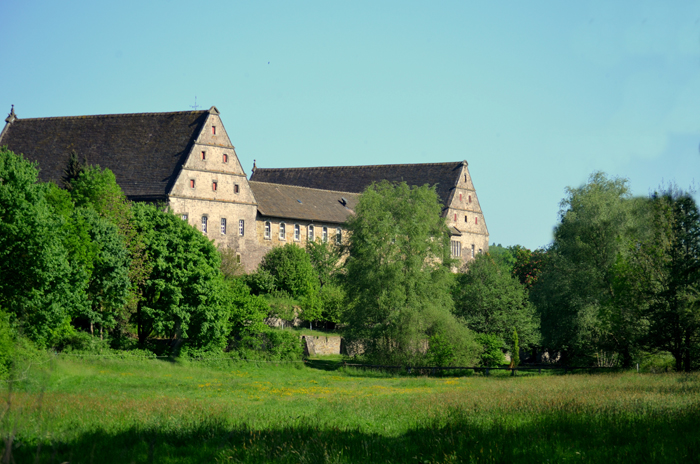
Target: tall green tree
184	294
581	312
36	277
398	276
491	301
668	271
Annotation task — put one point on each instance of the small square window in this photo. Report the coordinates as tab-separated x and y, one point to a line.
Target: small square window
241	227
184	216
225	158
192	183
236	189
214	185
204	224
223	226
213	130
238	258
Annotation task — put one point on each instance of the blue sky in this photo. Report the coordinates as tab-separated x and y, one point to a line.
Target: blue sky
534	95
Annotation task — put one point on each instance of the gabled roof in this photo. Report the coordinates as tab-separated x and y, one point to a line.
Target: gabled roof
144	150
357	178
291	202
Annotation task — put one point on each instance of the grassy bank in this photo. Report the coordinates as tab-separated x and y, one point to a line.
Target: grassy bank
103	411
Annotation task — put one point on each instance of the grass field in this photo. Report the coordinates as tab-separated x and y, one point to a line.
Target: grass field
116	411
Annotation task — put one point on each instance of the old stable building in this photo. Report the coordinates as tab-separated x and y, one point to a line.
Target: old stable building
187	161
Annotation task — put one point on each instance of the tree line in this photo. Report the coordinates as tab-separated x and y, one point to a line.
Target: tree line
619	282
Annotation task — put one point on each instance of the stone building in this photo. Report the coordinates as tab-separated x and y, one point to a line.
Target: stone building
186	160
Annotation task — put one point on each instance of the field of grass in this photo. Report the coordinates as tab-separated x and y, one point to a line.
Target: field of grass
117	411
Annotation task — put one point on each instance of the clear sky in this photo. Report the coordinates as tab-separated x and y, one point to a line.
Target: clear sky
534	95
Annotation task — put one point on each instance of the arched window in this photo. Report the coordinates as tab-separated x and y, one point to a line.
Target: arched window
311	233
204	224
267	230
283	231
324	234
297	232
338	235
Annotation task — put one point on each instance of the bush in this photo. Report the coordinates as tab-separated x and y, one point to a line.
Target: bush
662	361
272	344
492	356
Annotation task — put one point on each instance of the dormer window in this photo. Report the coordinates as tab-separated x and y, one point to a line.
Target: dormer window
204	155
213	130
225	158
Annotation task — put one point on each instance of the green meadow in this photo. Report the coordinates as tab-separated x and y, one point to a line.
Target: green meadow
102	411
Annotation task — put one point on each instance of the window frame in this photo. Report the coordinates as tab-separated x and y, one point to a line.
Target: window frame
297	233
205	224
214	185
223	226
192	184
338	235
310	233
283	231
185	217
236	189
224	158
241	227
267	231
324	234
204	155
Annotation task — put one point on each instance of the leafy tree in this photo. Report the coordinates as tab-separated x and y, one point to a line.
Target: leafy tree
491	301
516	349
398	276
36	277
184	294
502	256
528	264
575	293
667	267
325	259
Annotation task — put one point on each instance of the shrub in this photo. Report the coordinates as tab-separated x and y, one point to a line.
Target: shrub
492	356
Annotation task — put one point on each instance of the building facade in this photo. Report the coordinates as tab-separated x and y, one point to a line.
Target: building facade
186	160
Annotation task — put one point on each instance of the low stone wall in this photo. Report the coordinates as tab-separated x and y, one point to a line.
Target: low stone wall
320	345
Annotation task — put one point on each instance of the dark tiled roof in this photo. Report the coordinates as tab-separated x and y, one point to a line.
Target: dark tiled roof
144	150
357	178
290	202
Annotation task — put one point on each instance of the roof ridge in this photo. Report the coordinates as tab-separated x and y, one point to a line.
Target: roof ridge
300	187
359	166
88	116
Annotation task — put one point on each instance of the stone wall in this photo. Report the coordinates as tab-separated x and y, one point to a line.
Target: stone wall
320	345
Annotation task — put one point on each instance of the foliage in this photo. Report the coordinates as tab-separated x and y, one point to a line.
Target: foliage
491	301
325	259
247	312
272	344
184	295
515	356
502	256
398	275
575	294
36	277
231	266
528	264
492	354
292	270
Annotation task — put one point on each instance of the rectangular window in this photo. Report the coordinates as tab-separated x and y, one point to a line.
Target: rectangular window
223	226
241	227
324	234
455	217
311	233
470	198
338	236
283	231
238	258
213	130
184	217
236	189
472	251
213	186
456	248
297	232
267	230
204	155
225	158
460	197
465	218
191	183
476	220
204	224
